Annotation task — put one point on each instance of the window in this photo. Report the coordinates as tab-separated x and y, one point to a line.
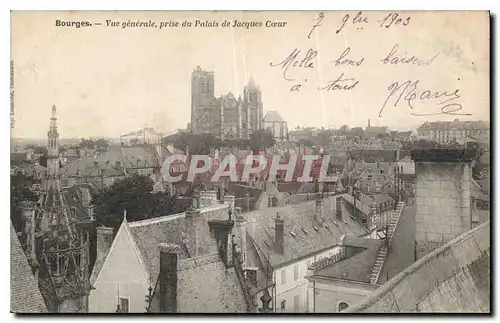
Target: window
124	302
296	300
343	306
283	304
296	272
283	277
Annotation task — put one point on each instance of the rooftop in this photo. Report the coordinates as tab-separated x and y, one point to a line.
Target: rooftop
25	296
303	234
360	256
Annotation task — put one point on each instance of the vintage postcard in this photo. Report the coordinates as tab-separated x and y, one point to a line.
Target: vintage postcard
250	162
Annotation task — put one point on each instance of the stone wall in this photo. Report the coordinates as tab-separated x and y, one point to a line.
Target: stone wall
453	278
443	192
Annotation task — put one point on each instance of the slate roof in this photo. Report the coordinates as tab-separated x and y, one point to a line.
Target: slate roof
175	229
85	167
382	198
401	252
140	156
297	218
205	285
273	116
358	266
485	185
25	296
366	209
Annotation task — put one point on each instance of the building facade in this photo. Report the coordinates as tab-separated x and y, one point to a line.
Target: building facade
227	117
455	131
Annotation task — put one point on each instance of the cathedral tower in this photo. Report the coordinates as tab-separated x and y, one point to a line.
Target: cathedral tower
202	98
253	102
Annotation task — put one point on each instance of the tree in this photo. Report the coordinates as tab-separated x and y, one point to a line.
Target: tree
305	142
102	144
86	144
261	139
344	130
133	194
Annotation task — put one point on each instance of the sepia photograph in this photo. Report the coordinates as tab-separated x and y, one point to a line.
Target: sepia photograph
260	162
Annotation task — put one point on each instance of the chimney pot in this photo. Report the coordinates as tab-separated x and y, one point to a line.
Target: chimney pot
104	241
279	228
168	277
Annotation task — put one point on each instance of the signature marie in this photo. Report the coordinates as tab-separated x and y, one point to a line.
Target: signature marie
408	91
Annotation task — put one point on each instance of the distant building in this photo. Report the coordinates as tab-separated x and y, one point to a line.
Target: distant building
227	117
454	131
146	135
375	132
274	122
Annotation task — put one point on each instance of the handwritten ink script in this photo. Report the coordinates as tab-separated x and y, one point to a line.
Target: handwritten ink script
400	92
411	92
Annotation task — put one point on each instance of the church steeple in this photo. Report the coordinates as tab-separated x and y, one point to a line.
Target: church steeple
53	153
53	135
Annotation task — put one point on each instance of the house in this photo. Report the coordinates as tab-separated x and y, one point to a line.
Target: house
25	296
348	278
344	279
173	260
291	237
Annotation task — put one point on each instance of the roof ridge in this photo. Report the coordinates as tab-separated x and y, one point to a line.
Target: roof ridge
171	217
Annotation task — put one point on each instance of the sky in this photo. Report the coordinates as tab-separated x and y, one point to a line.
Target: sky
107	81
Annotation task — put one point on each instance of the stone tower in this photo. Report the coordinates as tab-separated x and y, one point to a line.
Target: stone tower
253	101
442	197
202	96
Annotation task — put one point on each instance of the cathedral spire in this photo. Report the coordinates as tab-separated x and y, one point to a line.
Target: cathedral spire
53	153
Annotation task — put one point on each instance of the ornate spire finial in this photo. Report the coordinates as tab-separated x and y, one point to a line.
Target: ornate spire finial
124	215
53	111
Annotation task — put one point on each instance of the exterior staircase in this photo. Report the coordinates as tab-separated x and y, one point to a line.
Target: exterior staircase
382	254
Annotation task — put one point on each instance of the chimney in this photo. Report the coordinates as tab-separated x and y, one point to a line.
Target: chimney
221	233
241	235
279	228
338	208
374	221
168	277
192	231
318	214
104	241
442	196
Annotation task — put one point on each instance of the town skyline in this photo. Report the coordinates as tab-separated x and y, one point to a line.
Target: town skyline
109	82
